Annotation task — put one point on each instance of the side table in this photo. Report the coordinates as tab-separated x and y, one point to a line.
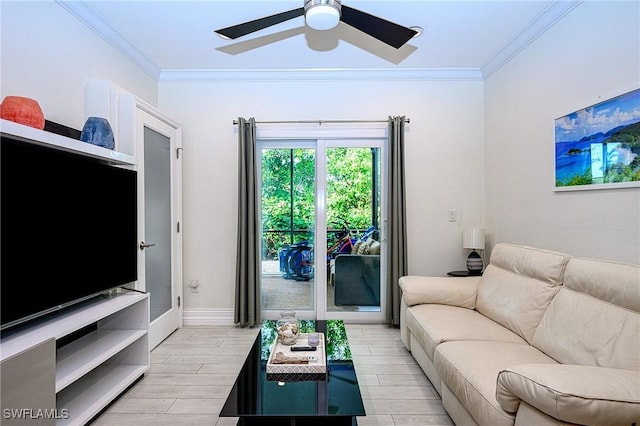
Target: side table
464	274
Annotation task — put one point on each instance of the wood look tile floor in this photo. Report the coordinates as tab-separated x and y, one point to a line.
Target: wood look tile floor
193	370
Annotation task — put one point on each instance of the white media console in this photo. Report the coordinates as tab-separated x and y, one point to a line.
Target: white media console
64	368
90	370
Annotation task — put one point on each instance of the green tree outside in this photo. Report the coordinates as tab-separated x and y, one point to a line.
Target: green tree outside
288	193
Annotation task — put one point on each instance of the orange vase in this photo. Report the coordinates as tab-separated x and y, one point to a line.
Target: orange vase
22	110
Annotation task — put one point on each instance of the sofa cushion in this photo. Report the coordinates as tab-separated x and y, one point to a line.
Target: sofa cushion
616	283
434	324
375	247
364	247
518	285
573	393
581	329
470	370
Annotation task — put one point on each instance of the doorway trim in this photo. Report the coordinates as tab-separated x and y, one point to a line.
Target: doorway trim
322	135
146	116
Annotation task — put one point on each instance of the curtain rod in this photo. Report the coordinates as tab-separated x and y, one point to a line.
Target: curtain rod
406	120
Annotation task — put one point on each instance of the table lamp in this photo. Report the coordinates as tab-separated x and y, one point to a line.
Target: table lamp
473	238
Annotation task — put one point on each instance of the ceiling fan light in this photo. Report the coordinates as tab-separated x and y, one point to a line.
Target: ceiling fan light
323	16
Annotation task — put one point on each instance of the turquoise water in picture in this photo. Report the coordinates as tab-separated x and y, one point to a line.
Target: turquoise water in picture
572	159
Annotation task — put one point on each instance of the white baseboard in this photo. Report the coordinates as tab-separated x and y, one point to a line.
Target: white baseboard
207	316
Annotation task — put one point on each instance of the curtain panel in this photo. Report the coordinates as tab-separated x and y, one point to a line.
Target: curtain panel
247	291
396	232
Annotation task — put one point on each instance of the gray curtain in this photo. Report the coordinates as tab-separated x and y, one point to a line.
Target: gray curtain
247	300
396	228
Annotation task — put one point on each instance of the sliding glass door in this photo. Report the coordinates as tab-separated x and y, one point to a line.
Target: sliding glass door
288	173
323	207
353	213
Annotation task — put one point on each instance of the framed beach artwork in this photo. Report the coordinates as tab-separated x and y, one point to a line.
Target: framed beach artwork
598	147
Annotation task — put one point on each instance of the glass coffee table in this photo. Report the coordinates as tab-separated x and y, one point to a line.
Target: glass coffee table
258	399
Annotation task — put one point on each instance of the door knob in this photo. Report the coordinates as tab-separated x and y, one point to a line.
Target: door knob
144	246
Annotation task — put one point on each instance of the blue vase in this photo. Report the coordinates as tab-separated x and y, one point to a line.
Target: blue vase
97	131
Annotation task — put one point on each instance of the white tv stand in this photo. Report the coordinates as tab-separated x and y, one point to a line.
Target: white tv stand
92	368
66	367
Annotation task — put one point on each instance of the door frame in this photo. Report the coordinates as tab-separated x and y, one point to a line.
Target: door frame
147	116
320	136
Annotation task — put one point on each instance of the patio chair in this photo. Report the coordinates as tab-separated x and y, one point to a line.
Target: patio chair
357	280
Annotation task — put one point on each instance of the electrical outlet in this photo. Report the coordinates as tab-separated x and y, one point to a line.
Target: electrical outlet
453	215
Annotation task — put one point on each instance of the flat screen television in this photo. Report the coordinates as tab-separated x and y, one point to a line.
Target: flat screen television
68	229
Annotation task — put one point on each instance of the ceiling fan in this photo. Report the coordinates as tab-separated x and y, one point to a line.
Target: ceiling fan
325	15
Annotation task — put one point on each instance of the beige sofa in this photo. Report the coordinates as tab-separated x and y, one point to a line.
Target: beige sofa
542	338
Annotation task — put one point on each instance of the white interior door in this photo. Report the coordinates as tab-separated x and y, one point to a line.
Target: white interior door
160	267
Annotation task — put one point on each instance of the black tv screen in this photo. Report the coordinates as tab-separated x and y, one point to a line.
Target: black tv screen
68	229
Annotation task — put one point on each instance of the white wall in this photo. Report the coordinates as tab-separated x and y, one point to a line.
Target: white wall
444	161
591	55
48	55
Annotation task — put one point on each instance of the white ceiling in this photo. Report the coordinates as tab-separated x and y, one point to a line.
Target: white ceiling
166	37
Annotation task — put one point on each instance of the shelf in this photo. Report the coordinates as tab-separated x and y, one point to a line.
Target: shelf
67	321
78	358
94	368
94	391
41	137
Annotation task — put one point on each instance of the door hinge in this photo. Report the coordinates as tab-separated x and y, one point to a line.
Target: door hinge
178	301
178	227
178	153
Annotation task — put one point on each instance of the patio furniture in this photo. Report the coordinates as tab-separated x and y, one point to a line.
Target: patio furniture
357	280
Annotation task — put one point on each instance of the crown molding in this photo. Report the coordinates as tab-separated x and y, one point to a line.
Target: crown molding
88	16
324	74
538	26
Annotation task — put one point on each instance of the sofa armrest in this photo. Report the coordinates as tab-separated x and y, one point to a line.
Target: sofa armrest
573	393
455	291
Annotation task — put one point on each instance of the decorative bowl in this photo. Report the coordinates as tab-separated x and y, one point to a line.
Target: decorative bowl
22	110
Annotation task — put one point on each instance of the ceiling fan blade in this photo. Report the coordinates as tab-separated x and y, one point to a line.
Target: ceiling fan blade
239	30
387	32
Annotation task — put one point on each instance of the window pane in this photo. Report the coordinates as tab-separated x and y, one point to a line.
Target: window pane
288	223
353	223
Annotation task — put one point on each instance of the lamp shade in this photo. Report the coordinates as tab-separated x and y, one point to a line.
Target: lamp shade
473	238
